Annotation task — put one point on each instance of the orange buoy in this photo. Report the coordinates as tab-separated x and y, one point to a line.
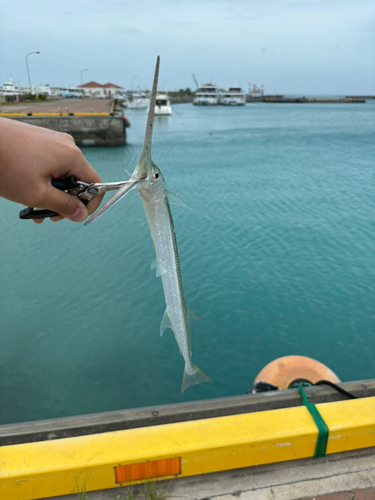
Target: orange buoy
282	372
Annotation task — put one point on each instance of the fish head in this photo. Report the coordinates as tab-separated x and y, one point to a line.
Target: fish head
153	184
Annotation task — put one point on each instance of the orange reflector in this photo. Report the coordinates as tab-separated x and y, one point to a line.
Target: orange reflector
146	470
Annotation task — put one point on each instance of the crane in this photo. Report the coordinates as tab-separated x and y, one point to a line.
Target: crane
196	83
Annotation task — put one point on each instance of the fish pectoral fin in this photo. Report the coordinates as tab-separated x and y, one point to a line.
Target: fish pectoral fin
165	323
172	198
160	268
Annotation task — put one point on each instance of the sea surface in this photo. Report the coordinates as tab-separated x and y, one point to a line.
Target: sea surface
277	254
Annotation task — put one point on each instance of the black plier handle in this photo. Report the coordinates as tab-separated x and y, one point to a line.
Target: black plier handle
82	190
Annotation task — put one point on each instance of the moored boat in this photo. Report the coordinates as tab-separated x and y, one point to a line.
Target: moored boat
163	105
234	97
137	100
206	95
9	89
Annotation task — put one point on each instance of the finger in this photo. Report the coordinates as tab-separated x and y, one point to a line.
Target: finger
81	168
66	205
94	203
56	218
38	221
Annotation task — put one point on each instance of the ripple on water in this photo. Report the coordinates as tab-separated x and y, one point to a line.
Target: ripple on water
277	255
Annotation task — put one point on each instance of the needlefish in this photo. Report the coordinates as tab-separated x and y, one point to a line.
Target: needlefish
149	181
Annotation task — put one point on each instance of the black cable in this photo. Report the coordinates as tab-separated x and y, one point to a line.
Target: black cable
337	387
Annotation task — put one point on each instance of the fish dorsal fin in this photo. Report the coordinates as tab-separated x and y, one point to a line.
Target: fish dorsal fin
165	323
192	317
172	198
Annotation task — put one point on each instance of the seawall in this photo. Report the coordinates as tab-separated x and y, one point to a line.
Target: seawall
86	130
89	122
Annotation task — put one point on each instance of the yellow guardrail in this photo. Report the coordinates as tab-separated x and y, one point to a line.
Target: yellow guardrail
112	459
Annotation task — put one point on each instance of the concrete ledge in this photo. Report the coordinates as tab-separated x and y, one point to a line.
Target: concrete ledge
294	480
99	130
166	414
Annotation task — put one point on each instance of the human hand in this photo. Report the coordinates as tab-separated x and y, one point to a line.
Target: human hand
30	157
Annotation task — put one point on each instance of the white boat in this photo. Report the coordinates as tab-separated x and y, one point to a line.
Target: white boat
137	100
234	97
163	105
9	89
206	95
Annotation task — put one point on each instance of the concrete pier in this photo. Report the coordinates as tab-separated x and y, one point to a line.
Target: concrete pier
322	100
89	122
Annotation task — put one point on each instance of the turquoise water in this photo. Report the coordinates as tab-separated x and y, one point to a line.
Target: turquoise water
277	255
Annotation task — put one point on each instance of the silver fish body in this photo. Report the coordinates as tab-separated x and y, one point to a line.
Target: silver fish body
150	183
177	316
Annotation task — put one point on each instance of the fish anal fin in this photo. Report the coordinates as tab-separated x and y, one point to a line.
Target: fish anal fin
172	198
165	323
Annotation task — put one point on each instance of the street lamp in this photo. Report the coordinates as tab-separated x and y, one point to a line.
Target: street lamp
134	77
81	75
27	66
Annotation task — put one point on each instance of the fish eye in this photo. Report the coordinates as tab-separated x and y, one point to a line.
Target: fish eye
156	175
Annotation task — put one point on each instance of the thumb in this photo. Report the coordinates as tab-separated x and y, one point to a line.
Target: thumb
66	205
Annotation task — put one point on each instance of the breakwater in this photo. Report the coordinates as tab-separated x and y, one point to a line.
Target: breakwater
86	130
282	99
89	122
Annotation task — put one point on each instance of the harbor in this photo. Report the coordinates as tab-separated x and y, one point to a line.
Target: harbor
91	122
299	284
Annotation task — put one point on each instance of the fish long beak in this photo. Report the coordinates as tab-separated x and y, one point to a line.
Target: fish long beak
143	170
123	191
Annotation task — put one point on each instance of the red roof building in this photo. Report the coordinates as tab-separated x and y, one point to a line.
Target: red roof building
94	89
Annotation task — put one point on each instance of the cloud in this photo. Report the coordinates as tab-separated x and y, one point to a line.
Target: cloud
275	42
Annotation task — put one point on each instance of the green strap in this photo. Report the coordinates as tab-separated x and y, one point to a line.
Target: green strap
321	445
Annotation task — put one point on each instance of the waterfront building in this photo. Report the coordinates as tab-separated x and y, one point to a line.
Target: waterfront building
94	89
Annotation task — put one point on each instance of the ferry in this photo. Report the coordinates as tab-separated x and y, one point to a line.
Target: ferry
163	105
137	100
9	89
234	97
207	95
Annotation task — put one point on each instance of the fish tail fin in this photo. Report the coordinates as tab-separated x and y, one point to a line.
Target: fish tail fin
194	378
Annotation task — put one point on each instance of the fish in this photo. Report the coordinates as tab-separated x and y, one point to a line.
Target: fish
150	182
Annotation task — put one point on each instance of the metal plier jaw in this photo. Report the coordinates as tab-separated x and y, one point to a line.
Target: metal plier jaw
83	191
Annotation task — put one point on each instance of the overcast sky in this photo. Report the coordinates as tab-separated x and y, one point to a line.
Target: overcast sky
290	46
